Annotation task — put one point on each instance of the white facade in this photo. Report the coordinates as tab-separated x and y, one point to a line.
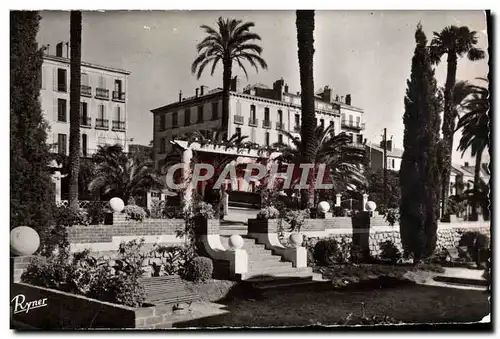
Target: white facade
103	108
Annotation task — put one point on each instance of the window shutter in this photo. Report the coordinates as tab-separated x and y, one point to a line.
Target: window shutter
55	109
54	78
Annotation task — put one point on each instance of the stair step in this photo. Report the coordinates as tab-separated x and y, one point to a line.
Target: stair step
256	265
272	276
281	283
279	270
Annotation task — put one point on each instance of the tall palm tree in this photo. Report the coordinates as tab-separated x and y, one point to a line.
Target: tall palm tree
123	175
233	41
475	131
305	42
74	105
455	42
344	163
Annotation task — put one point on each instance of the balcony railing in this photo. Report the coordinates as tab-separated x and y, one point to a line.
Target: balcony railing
238	119
296	128
266	123
118	125
356	145
118	96
352	124
253	122
280	126
101	123
86	122
102	93
86	91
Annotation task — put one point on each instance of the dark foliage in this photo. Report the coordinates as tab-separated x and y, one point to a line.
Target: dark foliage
325	252
477	244
389	252
200	269
375	188
419	175
31	189
339	211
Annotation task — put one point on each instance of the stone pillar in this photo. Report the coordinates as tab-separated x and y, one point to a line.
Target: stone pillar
163	197
365	200
148	200
187	155
338	197
56	179
225	202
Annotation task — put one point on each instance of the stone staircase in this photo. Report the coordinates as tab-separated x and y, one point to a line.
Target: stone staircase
264	266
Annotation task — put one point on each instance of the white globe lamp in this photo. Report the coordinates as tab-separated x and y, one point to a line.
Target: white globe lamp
371	206
24	241
296	239
235	242
116	204
324	206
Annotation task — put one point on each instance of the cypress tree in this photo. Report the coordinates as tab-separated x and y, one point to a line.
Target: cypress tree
31	189
419	175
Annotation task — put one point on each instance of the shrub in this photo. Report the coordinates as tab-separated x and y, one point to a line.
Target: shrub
176	258
296	218
477	245
391	215
269	212
339	211
204	210
53	238
199	269
326	251
96	213
389	252
51	272
344	250
66	216
135	212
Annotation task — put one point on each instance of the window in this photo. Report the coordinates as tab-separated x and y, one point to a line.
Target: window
266	114
215	110
61	80
280	138
350	120
84	114
297	120
322	123
162	145
343	118
174	119
332	124
118	114
253	114
360	138
238	131
102	112
200	114
61	110
118	86
84	79
84	145
267	138
280	116
358	121
102	82
393	164
162	123
61	144
187	117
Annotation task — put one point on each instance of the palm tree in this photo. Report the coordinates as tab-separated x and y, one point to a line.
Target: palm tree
455	42
475	131
123	175
344	163
232	42
305	42
74	111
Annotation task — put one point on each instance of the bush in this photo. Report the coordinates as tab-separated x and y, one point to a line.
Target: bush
477	245
205	210
96	213
176	259
391	215
296	218
339	211
135	212
326	251
53	238
66	216
51	272
389	252
199	269
269	212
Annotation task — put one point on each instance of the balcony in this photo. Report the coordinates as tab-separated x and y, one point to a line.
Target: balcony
296	128
86	122
102	93
253	122
238	119
266	123
118	125
119	96
356	145
280	126
102	124
353	125
86	91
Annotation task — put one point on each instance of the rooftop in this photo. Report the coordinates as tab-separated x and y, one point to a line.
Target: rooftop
86	64
395	152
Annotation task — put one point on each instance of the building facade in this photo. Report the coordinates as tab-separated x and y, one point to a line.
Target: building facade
256	111
375	154
103	104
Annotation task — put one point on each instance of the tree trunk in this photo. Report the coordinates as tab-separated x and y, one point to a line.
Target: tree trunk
448	129
226	85
305	42
74	111
477	171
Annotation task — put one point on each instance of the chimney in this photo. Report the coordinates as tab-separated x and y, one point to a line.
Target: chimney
327	94
203	90
196	92
298	93
337	98
180	96
67	49
235	84
278	89
389	145
59	50
286	88
342	99
466	164
348	99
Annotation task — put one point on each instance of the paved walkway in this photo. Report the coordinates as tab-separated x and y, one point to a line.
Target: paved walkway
427	278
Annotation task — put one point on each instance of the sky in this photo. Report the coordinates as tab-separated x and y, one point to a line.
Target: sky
364	53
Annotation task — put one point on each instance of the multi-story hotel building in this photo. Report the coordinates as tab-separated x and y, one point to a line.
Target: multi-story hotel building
257	111
103	106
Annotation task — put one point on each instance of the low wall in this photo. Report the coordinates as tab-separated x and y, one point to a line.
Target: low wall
69	311
100	238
